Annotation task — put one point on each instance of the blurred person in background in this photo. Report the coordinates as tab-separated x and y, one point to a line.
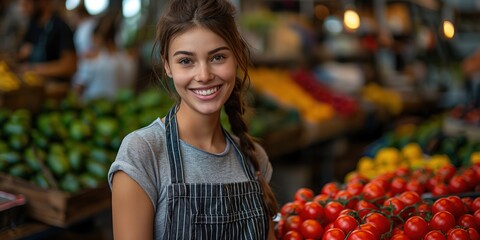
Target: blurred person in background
471	70
12	27
47	48
106	68
83	24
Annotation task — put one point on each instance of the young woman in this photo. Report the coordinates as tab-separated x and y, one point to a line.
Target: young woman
184	176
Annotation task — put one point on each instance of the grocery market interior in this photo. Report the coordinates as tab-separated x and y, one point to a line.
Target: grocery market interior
338	90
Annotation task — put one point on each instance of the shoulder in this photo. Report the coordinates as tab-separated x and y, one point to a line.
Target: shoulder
146	137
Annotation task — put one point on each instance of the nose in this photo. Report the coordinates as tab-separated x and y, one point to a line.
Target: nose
204	73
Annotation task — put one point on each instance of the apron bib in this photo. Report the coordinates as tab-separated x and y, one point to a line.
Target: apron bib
211	210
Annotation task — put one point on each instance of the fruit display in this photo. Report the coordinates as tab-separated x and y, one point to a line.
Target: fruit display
11	81
278	85
70	145
428	141
343	104
384	207
388	99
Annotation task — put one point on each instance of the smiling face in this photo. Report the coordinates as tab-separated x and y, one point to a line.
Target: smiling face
203	69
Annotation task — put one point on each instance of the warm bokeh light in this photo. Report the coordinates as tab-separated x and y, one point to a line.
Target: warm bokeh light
351	20
448	29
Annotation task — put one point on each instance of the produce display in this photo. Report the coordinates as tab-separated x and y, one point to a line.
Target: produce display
388	206
70	145
279	85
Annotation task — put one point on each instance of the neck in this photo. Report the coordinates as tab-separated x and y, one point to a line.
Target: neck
202	131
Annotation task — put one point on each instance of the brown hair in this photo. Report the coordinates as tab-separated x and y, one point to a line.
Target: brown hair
217	16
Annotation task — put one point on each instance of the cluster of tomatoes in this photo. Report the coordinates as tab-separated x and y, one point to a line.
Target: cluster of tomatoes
380	208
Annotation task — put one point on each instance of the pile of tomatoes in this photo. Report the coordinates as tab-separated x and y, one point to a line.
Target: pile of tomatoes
380	208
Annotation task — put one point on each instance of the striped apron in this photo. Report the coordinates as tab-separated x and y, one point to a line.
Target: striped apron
211	210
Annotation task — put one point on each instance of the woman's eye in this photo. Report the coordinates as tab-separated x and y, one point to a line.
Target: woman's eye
217	58
184	61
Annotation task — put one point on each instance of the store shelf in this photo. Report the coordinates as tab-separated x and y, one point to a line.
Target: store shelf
305	134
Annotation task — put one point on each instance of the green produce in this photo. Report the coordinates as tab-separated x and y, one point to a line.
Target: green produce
97	169
87	180
19	170
10	157
40	180
69	183
34	158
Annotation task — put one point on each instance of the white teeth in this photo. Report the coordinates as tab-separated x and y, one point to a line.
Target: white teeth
206	92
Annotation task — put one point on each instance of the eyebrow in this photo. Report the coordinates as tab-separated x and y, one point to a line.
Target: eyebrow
191	54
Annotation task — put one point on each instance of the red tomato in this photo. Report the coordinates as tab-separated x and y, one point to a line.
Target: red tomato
355	188
440	189
383	181
435	235
291	208
328	226
321	198
474	235
371	228
280	228
402	171
347	211
364	207
311	229
476	215
292	235
423	210
398	185
442	221
342	195
330	189
346	222
332	210
381	222
409	198
395	205
304	195
293	223
334	234
400	236
416	227
458	184
312	210
470	177
467	202
475	204
446	172
458	234
458	205
415	185
467	221
358	234
373	191
433	181
443	204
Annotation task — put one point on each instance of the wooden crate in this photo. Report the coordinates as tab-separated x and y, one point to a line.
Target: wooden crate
55	207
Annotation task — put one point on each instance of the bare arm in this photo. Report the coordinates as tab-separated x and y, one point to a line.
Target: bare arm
132	210
65	66
271	231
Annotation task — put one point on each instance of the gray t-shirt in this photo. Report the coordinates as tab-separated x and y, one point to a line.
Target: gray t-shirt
143	156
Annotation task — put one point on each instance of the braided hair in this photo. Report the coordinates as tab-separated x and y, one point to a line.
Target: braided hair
217	16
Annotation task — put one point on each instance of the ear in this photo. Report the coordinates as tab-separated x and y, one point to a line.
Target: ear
166	66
